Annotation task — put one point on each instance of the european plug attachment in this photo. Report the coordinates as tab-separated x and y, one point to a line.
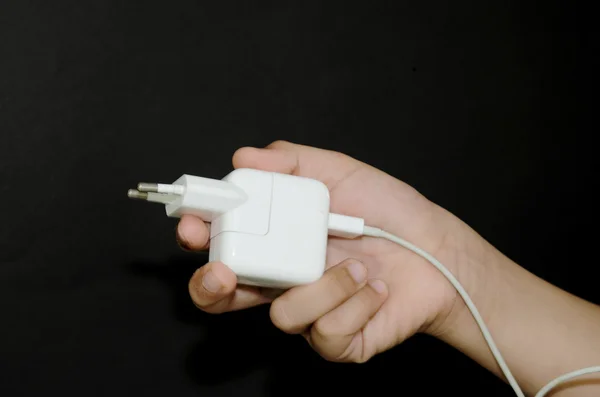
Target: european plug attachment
203	197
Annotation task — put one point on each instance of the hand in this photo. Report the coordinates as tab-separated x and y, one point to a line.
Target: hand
374	294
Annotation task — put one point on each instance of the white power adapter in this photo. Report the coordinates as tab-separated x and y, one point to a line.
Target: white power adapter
270	229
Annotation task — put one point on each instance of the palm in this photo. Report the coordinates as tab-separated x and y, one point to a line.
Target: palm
410	279
417	292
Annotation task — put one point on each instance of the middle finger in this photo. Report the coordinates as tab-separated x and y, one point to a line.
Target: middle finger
299	307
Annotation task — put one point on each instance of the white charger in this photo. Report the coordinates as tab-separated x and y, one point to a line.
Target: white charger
271	230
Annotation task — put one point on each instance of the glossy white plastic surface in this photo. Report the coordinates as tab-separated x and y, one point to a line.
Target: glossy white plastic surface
277	237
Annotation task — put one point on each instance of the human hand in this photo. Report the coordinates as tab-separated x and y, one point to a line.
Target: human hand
374	294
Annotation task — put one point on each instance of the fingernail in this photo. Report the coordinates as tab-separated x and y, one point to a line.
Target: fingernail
211	283
378	286
357	271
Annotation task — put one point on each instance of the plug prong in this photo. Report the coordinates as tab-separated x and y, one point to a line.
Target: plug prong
134	194
147	187
161	198
160	188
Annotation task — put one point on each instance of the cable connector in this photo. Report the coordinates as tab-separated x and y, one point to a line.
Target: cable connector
345	226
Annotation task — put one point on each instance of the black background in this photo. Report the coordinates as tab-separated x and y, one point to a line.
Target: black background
486	107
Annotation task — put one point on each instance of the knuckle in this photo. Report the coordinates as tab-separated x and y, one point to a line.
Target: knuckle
340	156
344	281
278	144
363	304
362	359
324	348
328	356
279	316
325	329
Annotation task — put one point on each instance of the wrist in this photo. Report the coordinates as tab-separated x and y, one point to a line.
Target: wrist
477	265
471	259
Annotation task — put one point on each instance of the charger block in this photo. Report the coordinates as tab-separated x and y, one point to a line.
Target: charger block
270	229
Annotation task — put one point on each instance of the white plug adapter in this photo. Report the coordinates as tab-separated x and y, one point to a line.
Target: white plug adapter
270	229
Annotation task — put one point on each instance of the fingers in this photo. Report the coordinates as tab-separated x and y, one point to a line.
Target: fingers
299	307
281	161
333	311
289	158
192	233
213	290
337	335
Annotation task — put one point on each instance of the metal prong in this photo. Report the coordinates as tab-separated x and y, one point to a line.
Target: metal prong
148	187
134	194
161	188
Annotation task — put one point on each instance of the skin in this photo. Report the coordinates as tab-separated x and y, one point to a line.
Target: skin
375	294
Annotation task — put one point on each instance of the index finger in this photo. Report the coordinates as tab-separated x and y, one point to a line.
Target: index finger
289	158
193	233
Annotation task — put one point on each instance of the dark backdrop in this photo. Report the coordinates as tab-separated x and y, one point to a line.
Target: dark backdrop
484	106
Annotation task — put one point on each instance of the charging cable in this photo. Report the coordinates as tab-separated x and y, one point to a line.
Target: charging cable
341	226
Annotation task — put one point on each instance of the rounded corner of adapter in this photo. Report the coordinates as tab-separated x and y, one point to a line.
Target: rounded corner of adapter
323	187
244	173
311	277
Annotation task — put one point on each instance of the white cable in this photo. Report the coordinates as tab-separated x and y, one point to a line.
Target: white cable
564	378
375	232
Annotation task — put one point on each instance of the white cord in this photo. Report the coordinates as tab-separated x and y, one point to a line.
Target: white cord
566	377
375	232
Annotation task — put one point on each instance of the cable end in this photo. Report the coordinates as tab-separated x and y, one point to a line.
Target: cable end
345	226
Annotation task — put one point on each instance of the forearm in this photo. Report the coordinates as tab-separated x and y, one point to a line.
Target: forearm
541	330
